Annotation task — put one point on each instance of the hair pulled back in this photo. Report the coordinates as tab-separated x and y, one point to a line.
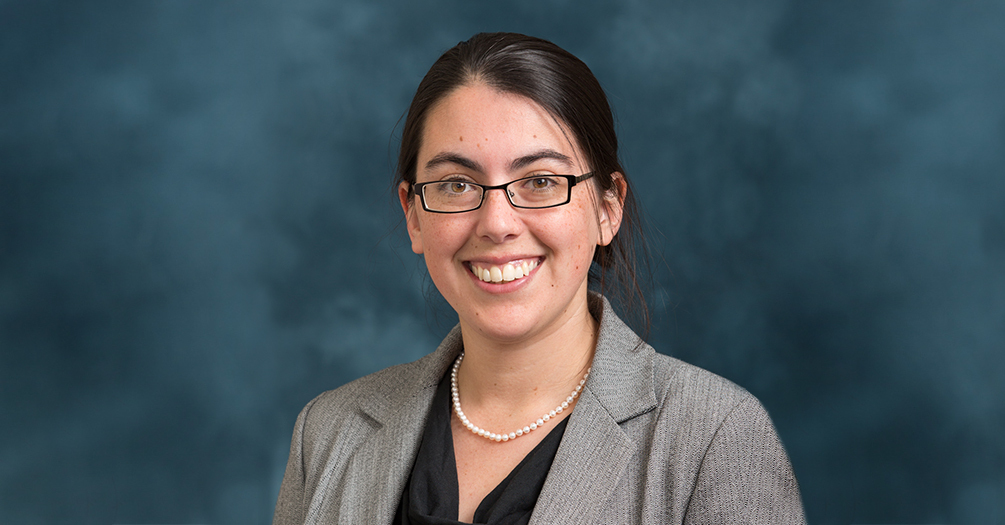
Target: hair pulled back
565	87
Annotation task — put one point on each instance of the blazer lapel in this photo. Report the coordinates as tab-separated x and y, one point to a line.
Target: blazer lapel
384	461
591	459
378	470
595	450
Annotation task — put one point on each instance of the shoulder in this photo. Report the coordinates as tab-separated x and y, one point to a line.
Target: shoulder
730	444
708	405
717	442
380	383
743	474
353	410
686	387
371	393
632	379
696	431
335	423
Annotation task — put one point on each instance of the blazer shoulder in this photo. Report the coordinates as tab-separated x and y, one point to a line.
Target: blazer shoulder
375	389
740	472
673	372
698	394
337	421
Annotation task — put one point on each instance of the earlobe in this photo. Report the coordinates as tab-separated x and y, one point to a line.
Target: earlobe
612	209
411	216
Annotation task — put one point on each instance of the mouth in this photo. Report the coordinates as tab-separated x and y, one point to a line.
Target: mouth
503	273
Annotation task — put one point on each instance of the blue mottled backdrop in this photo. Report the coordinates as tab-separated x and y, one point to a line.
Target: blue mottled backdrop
197	234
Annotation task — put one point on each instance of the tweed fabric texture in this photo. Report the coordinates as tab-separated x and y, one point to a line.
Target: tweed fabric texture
652	440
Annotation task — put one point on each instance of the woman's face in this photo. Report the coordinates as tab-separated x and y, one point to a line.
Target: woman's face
482	135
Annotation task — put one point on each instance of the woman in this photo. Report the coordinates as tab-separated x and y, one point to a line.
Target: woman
541	406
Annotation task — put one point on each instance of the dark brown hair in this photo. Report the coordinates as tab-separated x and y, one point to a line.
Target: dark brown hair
566	88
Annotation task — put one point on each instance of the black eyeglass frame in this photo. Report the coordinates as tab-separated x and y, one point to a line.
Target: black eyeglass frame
573	180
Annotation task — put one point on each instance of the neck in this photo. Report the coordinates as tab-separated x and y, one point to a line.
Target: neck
514	377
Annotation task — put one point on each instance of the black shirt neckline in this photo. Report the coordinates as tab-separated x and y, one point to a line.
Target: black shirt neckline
431	494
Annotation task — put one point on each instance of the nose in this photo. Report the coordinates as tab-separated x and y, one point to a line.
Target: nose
498	220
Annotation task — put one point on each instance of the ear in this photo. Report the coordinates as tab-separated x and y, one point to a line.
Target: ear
411	216
612	209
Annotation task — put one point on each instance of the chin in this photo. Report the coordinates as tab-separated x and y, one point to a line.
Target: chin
504	330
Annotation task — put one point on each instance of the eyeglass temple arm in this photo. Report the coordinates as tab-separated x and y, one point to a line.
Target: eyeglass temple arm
583	177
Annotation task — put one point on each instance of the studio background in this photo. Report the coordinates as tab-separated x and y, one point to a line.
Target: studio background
198	234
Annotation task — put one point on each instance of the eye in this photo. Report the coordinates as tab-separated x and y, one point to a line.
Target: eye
457	187
540	183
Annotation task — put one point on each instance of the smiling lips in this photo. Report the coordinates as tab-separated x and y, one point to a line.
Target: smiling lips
507	272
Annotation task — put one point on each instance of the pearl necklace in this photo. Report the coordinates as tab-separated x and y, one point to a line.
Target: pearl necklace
520	431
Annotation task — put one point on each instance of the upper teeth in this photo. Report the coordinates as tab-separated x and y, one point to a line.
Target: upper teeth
507	272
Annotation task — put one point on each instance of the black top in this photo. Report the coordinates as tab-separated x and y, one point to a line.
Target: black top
431	494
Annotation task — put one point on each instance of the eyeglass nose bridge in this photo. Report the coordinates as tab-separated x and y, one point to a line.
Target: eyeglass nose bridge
505	189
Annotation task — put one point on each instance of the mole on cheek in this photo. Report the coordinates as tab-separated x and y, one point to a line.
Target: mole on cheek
460	139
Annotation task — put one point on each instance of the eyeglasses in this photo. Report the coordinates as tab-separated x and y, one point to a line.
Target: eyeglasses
539	191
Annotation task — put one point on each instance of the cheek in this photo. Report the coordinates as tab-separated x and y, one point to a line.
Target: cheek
577	234
585	222
442	238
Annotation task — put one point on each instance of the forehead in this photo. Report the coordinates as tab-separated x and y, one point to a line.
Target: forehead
492	127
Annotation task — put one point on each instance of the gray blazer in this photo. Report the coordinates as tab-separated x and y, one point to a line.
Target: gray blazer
652	440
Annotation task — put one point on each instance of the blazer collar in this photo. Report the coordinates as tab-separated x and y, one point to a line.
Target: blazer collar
620	387
622	375
417	384
595	451
397	413
621	380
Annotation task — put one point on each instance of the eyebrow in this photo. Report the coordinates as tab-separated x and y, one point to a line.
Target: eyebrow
453	158
519	163
527	160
